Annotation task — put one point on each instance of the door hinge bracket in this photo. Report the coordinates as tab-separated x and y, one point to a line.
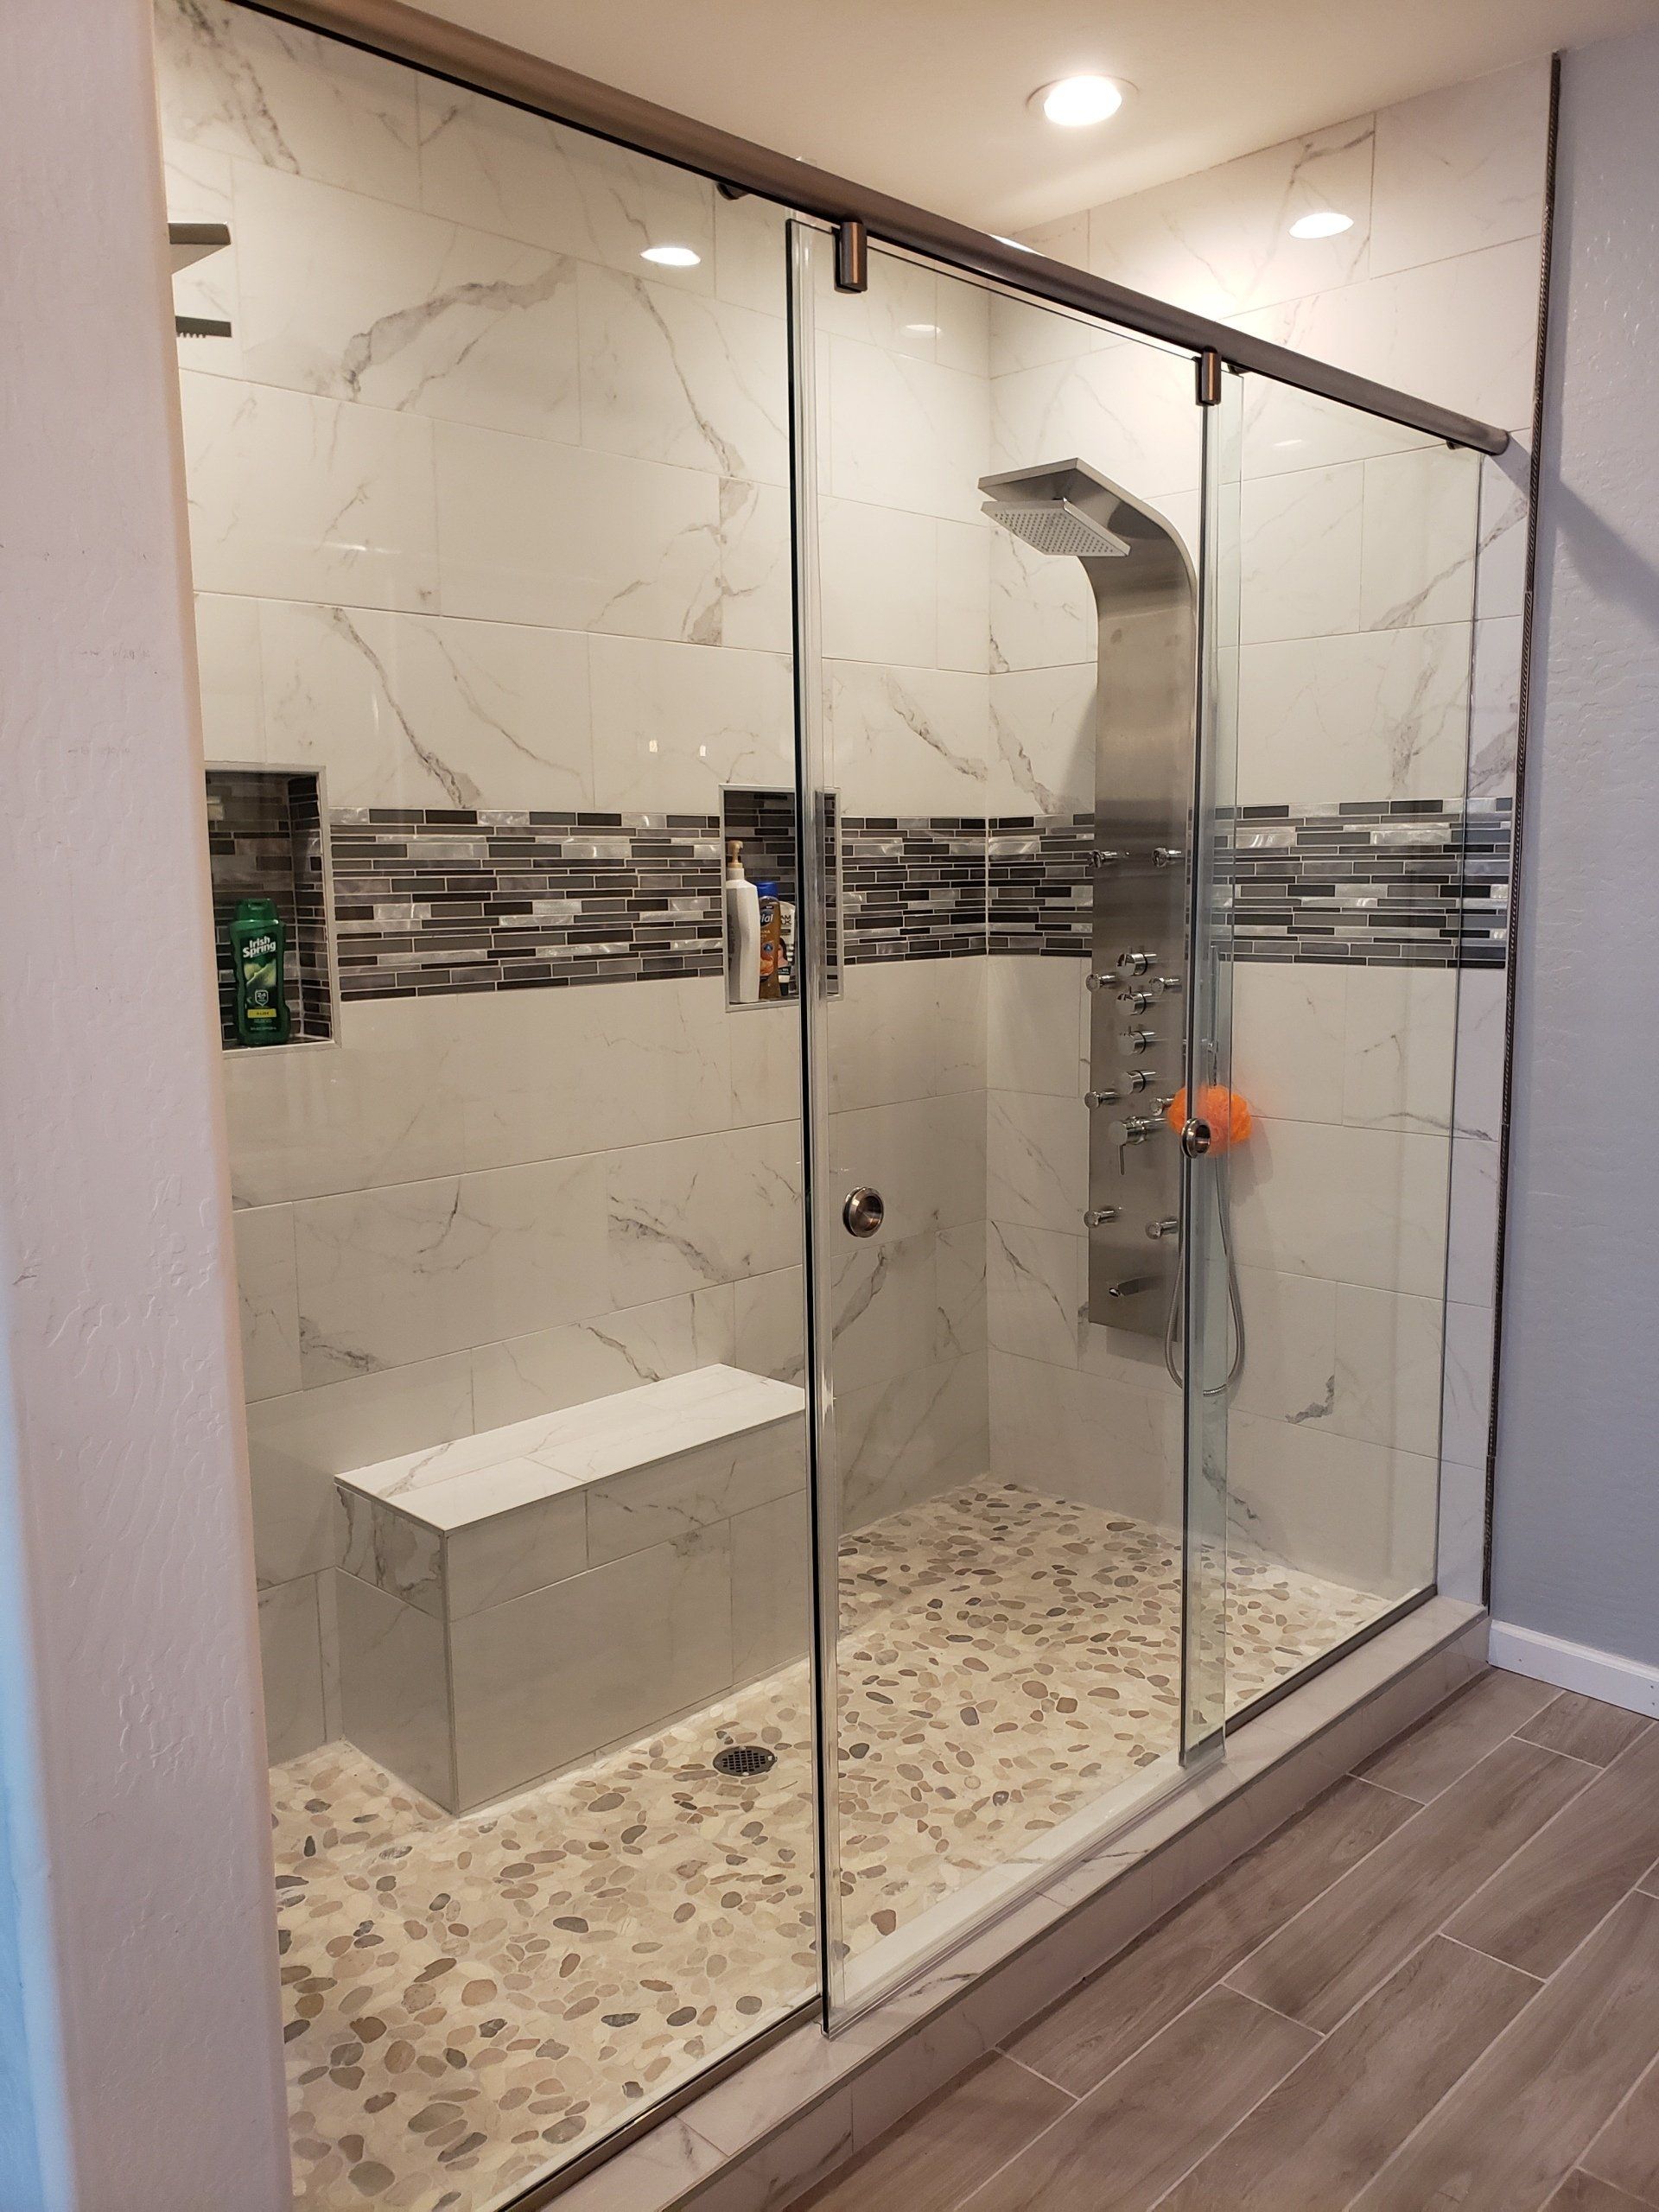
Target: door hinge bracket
1208	373
852	256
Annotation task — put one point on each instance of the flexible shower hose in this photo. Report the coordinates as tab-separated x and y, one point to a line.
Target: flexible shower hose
1172	1359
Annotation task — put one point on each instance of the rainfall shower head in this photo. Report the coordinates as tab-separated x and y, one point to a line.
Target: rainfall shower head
1054	525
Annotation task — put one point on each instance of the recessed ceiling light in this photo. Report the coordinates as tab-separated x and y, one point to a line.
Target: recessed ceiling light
1074	102
1326	224
671	256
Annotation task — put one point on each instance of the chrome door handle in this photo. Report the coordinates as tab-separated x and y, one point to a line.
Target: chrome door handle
864	1212
1196	1138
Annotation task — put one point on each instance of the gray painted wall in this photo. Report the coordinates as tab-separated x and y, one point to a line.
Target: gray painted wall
1577	1531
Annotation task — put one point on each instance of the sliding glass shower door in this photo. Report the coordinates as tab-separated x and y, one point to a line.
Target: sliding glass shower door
1000	611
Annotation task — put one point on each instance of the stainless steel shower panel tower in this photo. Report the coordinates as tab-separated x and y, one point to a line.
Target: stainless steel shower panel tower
1146	711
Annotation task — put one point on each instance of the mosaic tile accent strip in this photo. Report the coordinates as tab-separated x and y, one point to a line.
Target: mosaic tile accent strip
264	841
1421	883
432	901
467	2001
1039	898
914	887
429	900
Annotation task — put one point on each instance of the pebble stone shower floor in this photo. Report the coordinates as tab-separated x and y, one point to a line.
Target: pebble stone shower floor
469	2000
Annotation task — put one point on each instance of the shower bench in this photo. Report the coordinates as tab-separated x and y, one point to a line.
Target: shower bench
513	1603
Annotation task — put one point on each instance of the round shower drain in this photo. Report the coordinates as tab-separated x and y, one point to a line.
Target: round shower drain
742	1759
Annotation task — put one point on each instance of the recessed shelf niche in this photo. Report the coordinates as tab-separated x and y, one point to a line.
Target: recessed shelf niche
267	838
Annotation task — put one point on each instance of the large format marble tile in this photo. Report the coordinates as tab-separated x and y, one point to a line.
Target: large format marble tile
753	604
1037	1026
1472	1231
296	497
672	1501
1495	710
1290	1038
925	1156
673	723
697	1211
501	168
1125	407
771	1602
298	1443
413	1270
200	186
1421	527
547	1677
1301	553
907	1438
1036	1285
407	710
1398	1067
1351	1204
769	1335
1220	242
905	433
1460	168
1093	1439
1328	1504
878	584
1478	1102
1044	741
908	740
1290	1347
1389	1351
228	670
392	1550
1042	612
1466	1405
574	539
1037	1164
885	1306
524	1376
508	1554
395	1701
358	299
268	1300
906	1029
290	1665
671	375
1462	329
959	1288
267	92
1384	714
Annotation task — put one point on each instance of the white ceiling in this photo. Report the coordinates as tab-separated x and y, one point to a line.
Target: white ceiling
926	99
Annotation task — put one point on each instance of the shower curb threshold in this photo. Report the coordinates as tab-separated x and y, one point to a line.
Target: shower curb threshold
771	2128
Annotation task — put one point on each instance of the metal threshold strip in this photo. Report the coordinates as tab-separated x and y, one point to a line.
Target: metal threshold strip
485	65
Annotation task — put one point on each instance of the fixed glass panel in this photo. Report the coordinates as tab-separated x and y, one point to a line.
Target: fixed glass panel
998	510
1364	881
489	525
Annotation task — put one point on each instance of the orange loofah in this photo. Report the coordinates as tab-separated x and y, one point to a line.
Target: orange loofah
1229	1116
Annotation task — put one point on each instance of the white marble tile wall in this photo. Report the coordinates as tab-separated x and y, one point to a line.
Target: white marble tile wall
487	511
1355	680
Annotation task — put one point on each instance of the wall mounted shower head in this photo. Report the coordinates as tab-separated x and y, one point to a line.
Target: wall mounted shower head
1055	525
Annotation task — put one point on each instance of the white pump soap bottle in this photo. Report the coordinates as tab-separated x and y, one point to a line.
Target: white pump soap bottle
742	931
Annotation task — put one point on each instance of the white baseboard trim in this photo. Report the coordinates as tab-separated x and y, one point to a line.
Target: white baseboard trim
1576	1667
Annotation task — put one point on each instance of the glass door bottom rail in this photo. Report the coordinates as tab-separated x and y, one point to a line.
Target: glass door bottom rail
468	1999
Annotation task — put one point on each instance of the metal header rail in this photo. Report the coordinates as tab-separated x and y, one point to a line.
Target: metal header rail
485	65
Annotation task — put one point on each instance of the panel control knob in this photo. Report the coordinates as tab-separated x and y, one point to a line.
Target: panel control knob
1137	1002
1141	1078
1101	982
1140	1040
1169	1226
1106	1097
1167	856
1097	1216
1136	962
1101	859
1137	1128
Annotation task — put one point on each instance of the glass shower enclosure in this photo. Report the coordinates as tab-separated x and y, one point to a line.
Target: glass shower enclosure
748	1482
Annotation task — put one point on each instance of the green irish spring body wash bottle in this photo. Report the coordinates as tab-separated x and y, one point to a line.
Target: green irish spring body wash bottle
258	955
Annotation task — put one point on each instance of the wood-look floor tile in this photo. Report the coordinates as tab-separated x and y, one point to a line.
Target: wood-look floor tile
1430	1758
1523	2117
1080	2040
1585	1728
1626	2152
1329	2127
1582	2192
1122	2146
1346	1942
1539	1907
937	2154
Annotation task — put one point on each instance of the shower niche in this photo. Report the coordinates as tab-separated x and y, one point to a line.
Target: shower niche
267	838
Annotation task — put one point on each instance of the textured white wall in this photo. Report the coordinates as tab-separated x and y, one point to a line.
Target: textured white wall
150	1860
1577	1526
